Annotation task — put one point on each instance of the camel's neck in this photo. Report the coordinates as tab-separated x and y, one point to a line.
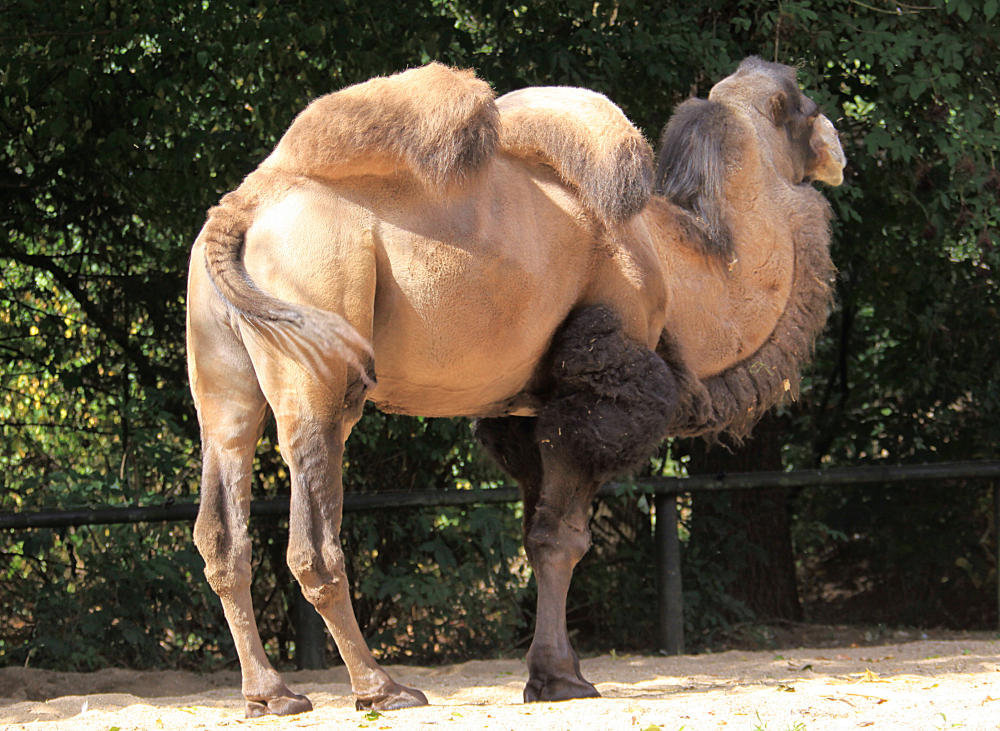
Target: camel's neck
722	308
743	323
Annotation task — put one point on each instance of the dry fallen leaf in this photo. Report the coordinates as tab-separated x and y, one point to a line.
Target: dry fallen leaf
878	701
868	677
835	698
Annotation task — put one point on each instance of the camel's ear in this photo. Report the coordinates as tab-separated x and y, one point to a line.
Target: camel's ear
827	160
777	108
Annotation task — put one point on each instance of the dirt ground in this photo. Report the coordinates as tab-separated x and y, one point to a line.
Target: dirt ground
923	684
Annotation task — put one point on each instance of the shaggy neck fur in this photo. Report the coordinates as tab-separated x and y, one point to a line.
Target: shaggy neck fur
741	394
695	174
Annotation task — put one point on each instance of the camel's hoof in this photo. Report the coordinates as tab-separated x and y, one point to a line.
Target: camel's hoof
280	706
393	698
558	689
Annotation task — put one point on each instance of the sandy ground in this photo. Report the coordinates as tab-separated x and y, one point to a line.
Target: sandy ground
920	685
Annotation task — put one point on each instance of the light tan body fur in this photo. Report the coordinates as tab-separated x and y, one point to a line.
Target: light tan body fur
443	239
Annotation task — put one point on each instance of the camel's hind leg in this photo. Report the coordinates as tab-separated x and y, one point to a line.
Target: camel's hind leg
609	405
314	418
231	410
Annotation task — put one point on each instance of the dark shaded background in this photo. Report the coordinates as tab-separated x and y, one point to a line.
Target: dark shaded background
122	122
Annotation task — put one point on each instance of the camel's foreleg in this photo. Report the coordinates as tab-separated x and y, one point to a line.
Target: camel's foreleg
556	538
609	404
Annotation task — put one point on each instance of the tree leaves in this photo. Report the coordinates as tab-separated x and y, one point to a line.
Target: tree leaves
123	123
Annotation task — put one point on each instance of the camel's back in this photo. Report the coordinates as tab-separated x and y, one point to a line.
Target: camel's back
458	268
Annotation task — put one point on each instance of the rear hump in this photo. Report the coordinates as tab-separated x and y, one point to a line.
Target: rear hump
587	140
438	123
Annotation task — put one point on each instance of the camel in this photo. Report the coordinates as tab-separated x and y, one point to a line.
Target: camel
415	242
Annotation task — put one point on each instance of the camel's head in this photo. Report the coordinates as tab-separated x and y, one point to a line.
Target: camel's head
803	142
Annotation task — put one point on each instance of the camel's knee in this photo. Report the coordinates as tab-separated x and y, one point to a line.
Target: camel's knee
220	530
323	579
550	536
220	533
227	579
226	566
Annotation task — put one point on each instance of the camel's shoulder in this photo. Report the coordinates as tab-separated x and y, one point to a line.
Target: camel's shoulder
587	139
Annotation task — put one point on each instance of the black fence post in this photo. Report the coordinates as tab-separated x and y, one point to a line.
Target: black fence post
310	634
671	595
996	538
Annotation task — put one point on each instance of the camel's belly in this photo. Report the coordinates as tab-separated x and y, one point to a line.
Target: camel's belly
450	349
485	397
467	299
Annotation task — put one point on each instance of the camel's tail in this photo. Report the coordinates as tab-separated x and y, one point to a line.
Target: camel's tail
315	338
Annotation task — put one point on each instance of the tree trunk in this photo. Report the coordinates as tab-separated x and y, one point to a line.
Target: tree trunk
748	530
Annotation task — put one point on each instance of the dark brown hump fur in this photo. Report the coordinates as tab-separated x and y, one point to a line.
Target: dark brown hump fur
691	169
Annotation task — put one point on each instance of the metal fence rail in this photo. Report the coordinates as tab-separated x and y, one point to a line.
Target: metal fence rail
664	490
170	512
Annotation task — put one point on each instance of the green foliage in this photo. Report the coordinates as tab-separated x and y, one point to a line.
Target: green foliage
896	556
613	598
92	597
124	121
431	586
910	371
710	611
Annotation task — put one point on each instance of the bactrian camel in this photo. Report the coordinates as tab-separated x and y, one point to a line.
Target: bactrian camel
415	242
